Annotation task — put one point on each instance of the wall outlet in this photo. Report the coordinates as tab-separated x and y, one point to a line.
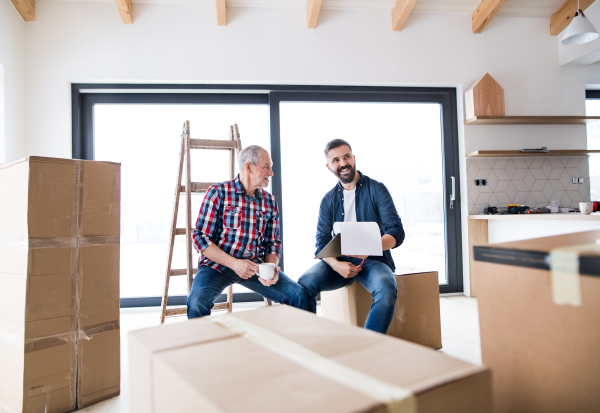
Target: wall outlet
577	180
481	182
580	180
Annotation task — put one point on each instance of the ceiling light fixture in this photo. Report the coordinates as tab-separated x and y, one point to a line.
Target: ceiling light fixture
580	31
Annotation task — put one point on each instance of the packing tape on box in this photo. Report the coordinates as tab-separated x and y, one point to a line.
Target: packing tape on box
397	399
564	268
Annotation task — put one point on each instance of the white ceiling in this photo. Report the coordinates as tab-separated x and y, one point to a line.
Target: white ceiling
523	8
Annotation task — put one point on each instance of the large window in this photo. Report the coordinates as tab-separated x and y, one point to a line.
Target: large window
592	108
398	144
146	140
405	138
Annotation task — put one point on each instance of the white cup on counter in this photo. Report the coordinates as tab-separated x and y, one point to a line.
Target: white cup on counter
586	208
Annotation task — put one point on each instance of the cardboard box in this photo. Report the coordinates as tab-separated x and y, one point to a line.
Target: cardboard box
544	355
417	310
280	358
59	284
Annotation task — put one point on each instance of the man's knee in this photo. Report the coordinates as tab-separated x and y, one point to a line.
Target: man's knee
386	290
199	305
310	279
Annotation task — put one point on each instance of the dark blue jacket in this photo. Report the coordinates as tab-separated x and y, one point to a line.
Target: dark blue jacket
373	204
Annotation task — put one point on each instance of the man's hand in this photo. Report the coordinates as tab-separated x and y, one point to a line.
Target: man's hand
346	269
245	268
268	283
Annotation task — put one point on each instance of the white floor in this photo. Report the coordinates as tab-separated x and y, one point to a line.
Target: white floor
460	338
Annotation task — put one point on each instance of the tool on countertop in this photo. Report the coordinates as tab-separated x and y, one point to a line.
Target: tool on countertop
543	149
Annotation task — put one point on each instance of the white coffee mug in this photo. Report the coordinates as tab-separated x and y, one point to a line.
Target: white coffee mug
586	207
266	270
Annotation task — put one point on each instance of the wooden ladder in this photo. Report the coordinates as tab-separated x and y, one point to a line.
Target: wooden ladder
234	145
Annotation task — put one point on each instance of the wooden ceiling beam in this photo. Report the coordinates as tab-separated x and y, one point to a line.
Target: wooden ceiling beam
484	14
125	10
313	8
26	9
564	15
221	13
400	13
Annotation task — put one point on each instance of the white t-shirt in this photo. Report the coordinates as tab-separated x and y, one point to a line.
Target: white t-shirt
349	206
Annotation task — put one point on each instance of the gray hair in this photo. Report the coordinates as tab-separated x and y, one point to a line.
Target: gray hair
250	154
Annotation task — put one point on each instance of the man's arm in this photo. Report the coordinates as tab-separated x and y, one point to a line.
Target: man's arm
244	268
392	224
205	231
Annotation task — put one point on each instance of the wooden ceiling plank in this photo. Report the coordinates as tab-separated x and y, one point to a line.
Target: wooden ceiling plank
125	10
565	13
313	8
221	13
400	13
484	14
26	9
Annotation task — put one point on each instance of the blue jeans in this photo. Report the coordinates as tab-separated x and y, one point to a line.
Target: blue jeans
376	277
210	283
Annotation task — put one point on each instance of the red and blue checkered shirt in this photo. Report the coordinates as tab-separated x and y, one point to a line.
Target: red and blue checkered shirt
236	222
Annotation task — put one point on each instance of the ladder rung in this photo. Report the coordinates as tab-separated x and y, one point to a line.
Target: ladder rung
221	306
180	231
181	272
212	144
176	311
198	186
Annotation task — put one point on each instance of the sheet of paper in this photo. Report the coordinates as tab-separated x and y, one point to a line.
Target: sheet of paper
359	238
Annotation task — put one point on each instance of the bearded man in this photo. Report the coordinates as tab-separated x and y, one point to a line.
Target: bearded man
356	198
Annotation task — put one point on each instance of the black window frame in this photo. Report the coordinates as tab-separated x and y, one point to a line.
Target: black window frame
85	96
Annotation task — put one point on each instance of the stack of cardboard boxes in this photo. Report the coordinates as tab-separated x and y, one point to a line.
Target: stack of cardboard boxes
59	284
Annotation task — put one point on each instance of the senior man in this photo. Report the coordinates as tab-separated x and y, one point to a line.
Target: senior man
237	229
356	198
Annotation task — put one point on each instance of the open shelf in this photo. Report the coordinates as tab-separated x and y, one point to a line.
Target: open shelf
513	154
531	120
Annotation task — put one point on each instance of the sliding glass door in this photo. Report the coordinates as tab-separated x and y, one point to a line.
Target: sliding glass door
406	138
406	141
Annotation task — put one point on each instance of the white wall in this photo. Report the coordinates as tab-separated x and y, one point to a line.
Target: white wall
12	77
77	42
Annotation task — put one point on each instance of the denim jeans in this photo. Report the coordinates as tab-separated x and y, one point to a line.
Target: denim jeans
210	283
376	277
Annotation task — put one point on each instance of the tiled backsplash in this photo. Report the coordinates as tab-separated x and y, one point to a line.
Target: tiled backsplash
527	181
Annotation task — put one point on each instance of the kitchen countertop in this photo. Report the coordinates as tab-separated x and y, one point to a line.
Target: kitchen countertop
576	216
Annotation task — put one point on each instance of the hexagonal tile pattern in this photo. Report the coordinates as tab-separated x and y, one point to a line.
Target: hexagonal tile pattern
538	185
548	190
520	174
547	168
521	198
556	173
537	163
483	164
528	181
520	163
502	174
511	191
538	173
575	196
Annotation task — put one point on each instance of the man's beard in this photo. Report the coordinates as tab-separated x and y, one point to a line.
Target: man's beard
350	176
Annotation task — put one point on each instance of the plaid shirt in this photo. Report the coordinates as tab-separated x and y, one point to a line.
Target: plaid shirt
236	222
